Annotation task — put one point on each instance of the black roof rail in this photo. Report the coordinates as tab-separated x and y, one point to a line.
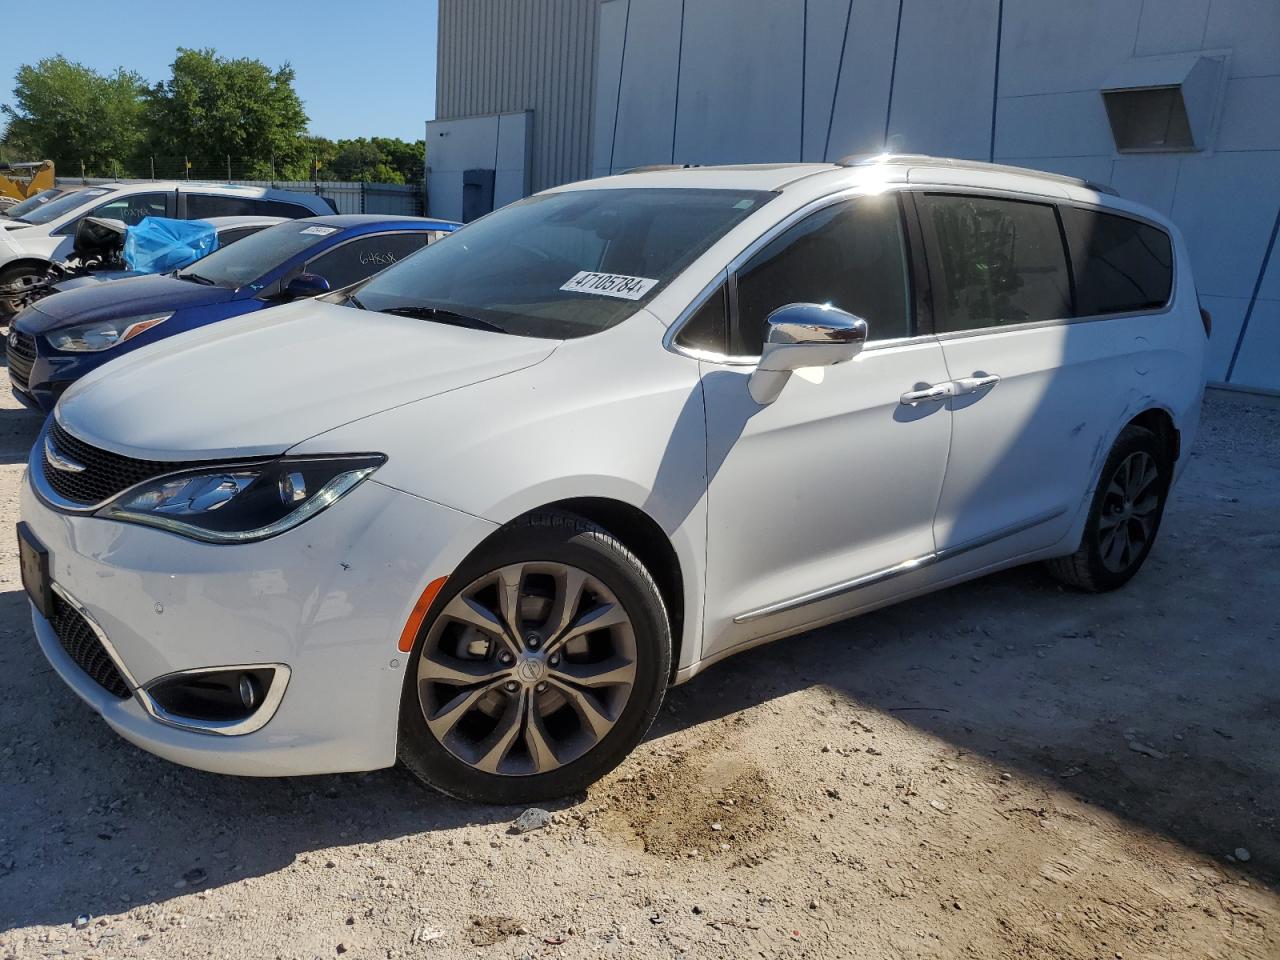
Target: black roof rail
924	160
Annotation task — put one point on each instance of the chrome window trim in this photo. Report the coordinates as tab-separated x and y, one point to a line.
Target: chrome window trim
863	190
999	194
896	570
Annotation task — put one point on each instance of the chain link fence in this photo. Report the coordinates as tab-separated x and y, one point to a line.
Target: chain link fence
348	196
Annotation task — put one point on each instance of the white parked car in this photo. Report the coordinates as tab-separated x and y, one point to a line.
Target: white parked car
480	511
45	233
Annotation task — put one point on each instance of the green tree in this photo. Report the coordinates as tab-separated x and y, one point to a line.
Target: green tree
376	160
70	114
213	108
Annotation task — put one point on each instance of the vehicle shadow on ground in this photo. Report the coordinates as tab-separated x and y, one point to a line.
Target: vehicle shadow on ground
18	431
1157	703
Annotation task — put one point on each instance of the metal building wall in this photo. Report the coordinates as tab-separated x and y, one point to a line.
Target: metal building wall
508	56
1016	81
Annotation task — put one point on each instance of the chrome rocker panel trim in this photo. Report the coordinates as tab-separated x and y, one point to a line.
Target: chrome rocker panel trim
897	570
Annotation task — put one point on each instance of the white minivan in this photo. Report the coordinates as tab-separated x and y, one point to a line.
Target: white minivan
477	513
45	233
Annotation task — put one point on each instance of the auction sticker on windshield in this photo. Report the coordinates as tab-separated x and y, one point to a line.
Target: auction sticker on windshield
609	285
319	231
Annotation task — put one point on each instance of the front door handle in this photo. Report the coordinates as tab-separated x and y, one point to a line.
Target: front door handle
939	391
974	384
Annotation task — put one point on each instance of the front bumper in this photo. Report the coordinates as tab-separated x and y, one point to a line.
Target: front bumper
328	599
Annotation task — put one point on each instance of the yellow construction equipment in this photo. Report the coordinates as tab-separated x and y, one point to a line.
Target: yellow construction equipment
18	181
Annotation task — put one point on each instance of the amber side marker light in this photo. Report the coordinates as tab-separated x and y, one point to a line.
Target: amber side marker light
414	623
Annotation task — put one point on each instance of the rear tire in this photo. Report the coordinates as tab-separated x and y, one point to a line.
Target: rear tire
540	666
1124	515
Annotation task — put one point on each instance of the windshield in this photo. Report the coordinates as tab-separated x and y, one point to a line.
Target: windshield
561	265
45	212
239	264
37	200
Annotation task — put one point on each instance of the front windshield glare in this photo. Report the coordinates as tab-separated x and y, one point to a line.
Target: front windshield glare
47	212
248	260
564	264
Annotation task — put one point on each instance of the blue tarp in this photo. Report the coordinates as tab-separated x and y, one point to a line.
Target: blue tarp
160	245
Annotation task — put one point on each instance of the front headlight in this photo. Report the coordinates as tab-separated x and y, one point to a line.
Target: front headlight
242	502
105	334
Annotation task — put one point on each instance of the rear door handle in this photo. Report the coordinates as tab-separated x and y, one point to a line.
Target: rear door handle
974	384
939	391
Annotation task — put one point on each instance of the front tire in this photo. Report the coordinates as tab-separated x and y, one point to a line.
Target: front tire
12	303
1124	515
539	668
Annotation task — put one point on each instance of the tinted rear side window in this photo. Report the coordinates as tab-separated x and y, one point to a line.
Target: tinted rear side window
1120	264
999	262
202	206
281	208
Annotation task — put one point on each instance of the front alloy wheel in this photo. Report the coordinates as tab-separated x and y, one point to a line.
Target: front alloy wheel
540	670
527	668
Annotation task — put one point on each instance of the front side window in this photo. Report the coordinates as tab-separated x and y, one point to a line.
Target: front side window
133	209
999	262
1120	265
851	255
561	265
365	256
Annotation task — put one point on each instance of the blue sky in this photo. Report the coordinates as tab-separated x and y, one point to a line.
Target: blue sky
364	69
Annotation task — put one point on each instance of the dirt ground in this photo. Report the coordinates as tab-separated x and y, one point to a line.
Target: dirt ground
1006	769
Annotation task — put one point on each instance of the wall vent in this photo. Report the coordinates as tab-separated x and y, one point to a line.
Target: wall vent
1163	104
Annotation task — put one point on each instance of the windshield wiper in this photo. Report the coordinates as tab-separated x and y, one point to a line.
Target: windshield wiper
444	316
355	302
196	278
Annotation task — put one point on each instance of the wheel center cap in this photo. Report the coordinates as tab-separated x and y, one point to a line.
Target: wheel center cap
531	669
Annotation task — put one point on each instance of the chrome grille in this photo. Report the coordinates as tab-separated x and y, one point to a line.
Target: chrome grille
105	474
20	355
84	647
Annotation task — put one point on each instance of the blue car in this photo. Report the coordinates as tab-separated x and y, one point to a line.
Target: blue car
59	339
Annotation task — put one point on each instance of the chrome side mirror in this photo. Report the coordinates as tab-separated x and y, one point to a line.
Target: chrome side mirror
804	335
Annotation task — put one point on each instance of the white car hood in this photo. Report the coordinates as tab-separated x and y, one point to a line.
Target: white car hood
259	384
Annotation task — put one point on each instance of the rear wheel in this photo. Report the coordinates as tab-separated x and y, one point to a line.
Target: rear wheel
1124	515
542	665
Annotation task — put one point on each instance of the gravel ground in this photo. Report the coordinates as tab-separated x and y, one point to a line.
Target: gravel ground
1006	769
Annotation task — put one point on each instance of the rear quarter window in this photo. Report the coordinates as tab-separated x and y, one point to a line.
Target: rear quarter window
281	208
1120	264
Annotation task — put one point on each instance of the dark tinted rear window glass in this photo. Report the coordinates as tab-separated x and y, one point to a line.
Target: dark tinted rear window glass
281	208
1002	262
1120	264
202	206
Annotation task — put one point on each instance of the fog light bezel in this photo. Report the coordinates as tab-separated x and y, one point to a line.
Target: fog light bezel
257	717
